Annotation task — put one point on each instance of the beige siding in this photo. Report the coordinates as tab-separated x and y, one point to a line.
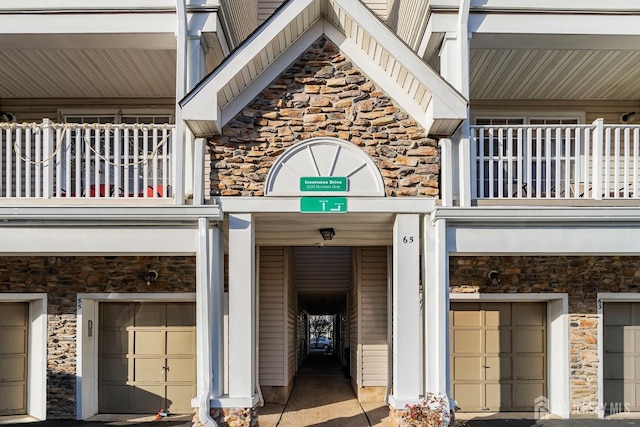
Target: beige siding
373	314
332	267
241	18
266	8
379	7
354	303
292	309
272	316
408	18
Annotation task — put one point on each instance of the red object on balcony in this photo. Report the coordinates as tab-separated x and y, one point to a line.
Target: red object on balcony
102	191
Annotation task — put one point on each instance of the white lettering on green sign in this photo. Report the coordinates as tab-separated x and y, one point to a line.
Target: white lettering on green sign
323	183
323	204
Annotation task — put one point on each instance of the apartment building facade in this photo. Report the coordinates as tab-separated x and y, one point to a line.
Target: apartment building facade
183	183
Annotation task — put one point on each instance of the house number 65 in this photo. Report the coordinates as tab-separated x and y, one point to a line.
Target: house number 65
407	239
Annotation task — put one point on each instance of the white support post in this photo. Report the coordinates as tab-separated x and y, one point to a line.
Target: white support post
436	307
204	317
194	72
198	171
242	313
217	337
446	171
596	168
406	311
49	166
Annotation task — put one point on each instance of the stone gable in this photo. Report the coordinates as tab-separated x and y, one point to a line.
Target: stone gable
323	94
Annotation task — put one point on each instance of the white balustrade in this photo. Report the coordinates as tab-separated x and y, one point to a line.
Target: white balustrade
62	160
594	161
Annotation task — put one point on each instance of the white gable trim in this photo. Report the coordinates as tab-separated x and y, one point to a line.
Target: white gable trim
258	61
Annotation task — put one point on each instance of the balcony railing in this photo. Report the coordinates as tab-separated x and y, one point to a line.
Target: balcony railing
594	161
54	160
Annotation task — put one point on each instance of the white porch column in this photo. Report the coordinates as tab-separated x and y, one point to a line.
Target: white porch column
217	336
406	310
204	314
436	307
242	310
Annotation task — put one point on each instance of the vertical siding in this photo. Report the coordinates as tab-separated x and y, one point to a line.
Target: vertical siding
354	303
272	316
373	315
266	8
292	311
408	18
240	17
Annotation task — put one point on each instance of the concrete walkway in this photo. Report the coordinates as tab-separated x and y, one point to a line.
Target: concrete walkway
323	397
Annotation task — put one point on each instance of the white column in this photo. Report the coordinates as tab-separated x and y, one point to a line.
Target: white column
204	318
436	307
242	317
217	336
406	310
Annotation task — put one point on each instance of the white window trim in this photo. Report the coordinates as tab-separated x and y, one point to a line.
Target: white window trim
601	299
37	351
87	346
558	372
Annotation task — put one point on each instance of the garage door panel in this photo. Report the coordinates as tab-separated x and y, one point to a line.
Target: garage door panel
498	368
179	397
13	315
14	341
465	341
149	342
529	314
529	341
149	314
114	341
148	369
526	393
467	368
115	315
617	314
468	396
529	368
181	315
13	369
180	369
498	341
466	315
614	367
614	339
115	398
149	398
12	399
181	342
115	369
497	314
498	396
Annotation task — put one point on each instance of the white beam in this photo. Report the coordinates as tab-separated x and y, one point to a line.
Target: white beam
354	204
242	301
406	311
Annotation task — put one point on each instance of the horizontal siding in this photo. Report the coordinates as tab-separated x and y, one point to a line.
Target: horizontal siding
272	305
266	8
373	313
379	7
330	271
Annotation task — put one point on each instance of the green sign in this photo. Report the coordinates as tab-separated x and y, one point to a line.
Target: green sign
323	204
323	183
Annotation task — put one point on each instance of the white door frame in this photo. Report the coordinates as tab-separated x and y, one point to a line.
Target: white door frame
37	351
557	402
87	342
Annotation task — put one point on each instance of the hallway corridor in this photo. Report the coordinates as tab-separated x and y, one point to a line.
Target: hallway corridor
322	397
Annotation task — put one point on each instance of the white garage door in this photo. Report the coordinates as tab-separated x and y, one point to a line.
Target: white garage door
147	357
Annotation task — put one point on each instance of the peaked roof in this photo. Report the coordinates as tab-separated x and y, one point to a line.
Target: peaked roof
359	34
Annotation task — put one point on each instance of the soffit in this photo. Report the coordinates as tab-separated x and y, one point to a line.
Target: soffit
369	43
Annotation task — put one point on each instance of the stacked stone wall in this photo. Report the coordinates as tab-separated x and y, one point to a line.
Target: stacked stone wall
323	95
580	277
62	278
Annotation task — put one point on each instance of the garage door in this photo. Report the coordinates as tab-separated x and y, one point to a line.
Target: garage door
14	321
622	355
147	357
498	355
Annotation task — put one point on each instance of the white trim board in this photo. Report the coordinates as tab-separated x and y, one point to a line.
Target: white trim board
558	372
87	346
37	352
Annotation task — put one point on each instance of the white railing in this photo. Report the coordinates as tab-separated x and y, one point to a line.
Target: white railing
594	161
62	160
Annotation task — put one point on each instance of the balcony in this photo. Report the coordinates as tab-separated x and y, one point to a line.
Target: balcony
82	162
556	162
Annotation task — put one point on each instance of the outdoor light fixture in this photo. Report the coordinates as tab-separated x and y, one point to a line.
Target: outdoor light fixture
149	276
493	278
327	233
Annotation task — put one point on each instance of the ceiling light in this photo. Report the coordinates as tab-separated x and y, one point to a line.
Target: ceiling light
327	233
